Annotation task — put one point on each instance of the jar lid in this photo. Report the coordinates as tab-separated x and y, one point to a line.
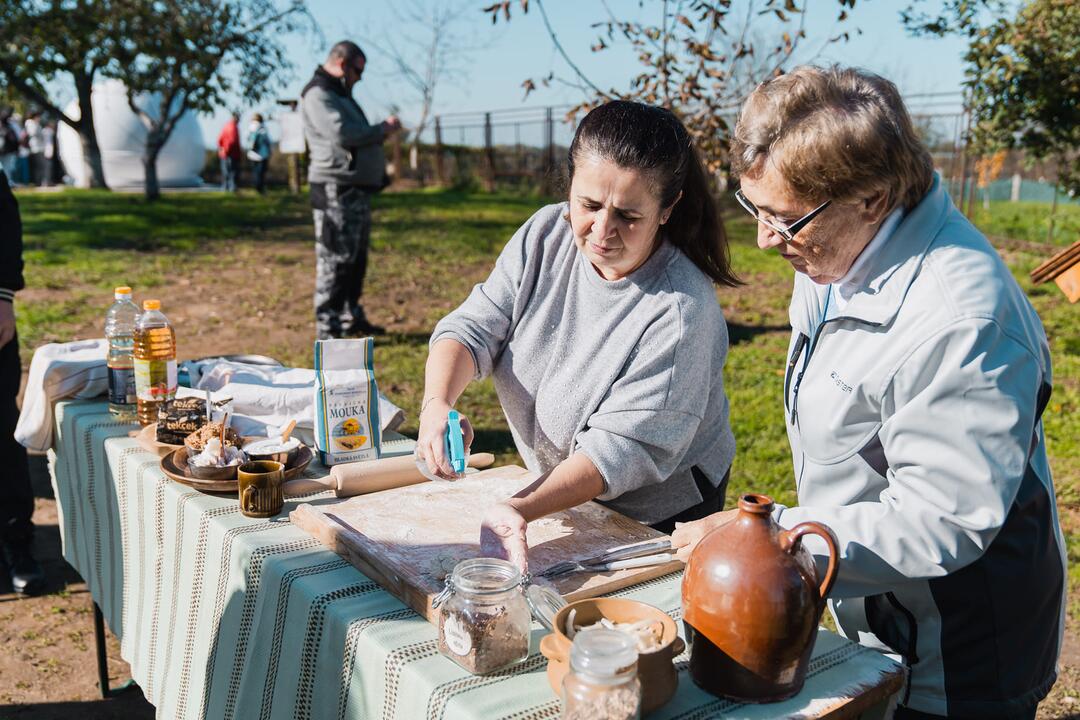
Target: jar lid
544	604
485	576
603	653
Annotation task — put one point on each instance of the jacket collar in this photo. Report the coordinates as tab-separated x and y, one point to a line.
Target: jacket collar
326	81
890	272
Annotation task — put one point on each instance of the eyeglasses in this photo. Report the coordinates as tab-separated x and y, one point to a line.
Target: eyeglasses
785	231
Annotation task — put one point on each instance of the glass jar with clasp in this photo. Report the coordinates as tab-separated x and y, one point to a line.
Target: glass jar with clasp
484	620
602	683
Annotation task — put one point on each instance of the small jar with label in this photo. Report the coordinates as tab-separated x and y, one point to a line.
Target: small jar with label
484	620
602	683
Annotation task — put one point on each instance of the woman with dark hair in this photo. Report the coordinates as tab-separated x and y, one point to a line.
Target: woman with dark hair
602	331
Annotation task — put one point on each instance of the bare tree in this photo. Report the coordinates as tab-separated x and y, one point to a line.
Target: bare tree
698	58
194	54
438	46
45	43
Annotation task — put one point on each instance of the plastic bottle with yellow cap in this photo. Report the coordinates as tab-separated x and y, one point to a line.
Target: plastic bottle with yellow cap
119	331
155	361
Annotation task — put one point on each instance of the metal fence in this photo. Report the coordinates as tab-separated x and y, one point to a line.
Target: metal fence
526	147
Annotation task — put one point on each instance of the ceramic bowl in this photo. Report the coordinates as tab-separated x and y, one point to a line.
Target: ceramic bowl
285	457
656	668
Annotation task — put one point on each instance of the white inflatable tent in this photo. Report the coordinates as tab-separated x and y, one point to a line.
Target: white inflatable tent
122	137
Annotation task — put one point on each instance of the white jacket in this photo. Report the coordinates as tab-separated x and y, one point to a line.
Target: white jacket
914	422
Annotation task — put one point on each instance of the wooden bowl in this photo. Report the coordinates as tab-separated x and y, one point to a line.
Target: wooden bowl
656	668
182	458
175	466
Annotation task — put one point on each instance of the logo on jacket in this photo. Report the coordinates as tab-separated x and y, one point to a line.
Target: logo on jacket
839	382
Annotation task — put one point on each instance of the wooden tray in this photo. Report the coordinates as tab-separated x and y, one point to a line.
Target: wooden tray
398	537
147	438
175	466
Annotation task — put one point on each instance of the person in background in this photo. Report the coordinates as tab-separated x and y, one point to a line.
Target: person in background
258	142
35	144
9	144
347	166
915	383
50	157
22	164
16	494
229	152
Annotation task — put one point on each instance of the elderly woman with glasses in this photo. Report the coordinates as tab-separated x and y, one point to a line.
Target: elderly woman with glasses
915	382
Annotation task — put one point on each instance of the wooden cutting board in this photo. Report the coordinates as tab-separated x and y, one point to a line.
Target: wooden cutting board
407	539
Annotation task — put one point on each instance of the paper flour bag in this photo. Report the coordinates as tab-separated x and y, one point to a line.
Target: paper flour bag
346	401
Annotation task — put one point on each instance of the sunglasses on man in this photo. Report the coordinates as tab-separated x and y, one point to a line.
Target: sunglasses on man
785	231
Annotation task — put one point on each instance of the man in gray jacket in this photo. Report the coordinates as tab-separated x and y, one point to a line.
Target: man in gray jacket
347	167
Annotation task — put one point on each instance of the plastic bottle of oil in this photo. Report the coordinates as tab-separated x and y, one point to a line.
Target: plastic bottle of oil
155	361
120	331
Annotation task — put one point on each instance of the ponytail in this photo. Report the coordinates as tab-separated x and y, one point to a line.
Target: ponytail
653	140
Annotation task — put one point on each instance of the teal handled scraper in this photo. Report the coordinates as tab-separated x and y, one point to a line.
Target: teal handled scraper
455	443
455	449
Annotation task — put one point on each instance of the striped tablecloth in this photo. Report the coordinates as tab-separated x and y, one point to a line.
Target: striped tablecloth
222	616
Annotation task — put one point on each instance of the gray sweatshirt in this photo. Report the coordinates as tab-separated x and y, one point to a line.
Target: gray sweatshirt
629	372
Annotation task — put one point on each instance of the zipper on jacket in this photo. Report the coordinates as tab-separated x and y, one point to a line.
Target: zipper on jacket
799	377
806	361
799	345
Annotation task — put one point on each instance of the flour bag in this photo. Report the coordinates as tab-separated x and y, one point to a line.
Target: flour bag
346	401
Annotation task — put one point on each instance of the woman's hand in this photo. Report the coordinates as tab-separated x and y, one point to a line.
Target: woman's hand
431	441
688	535
502	535
7	322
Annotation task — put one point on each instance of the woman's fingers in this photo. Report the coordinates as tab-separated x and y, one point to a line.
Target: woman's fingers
467	434
686	536
503	535
491	544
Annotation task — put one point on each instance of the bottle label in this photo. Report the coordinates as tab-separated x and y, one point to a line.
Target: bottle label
155	379
122	386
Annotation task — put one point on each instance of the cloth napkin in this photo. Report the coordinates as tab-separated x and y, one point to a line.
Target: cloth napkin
266	397
57	371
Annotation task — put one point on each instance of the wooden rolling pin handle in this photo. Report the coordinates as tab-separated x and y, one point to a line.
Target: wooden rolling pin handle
481	460
304	486
386	473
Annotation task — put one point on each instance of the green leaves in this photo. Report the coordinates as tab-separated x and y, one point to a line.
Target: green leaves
181	55
1025	85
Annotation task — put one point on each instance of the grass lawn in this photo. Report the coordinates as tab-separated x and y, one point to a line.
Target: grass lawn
235	273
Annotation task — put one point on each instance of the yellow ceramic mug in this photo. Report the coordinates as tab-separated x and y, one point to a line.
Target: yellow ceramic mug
260	484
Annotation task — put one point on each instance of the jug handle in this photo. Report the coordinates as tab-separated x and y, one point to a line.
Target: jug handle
790	541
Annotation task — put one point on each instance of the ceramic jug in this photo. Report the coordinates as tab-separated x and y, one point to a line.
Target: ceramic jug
751	604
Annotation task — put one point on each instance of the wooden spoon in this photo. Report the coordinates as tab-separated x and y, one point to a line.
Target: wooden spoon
224	422
288	431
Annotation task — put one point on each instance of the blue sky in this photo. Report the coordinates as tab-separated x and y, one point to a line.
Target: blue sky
506	54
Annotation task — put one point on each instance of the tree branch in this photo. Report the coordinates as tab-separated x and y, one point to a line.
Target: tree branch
562	52
33	94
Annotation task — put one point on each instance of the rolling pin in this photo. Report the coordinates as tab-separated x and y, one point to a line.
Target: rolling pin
370	476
